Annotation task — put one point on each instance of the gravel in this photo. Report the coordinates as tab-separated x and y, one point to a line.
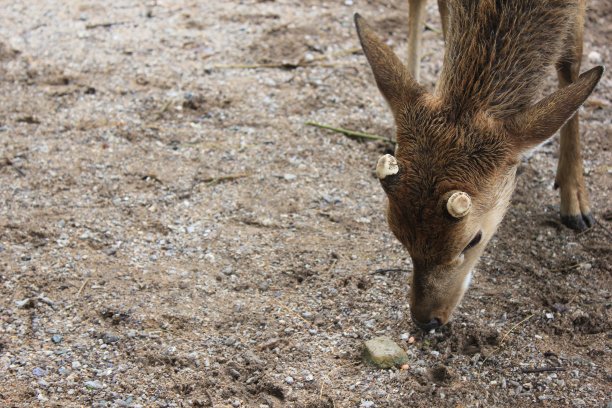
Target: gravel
172	234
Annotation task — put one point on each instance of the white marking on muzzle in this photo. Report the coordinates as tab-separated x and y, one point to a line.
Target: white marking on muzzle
466	282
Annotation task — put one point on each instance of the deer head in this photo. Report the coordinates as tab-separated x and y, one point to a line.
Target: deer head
452	175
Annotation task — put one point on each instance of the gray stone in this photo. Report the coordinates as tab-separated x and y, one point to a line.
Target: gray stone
39	372
384	353
96	385
110	338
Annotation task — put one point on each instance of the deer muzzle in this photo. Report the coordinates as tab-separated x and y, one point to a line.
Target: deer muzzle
436	291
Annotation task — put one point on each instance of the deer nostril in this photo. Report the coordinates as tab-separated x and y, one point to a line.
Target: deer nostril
433	324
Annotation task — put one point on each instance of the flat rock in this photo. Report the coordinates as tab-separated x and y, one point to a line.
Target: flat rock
384	353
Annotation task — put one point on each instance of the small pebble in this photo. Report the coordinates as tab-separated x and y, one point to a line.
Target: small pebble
234	373
95	385
384	353
289	380
56	338
39	372
110	338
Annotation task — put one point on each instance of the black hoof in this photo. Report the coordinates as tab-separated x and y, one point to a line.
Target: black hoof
433	324
578	222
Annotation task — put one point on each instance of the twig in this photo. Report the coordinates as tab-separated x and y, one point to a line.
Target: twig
163	109
8	162
542	369
82	287
290	65
503	339
281	65
501	343
221	179
350	133
383	271
103	25
432	28
569	268
607	231
572	299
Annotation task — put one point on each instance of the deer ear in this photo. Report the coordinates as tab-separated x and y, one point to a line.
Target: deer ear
542	120
392	77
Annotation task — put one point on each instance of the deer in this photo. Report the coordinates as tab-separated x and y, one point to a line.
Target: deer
450	180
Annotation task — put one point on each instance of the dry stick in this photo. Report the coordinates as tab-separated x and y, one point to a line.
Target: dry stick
291	311
569	268
607	231
333	263
501	343
221	179
284	65
432	28
10	163
289	65
542	369
163	109
350	133
82	287
104	25
383	271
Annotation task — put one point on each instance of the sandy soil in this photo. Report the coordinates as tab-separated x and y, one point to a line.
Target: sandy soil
172	234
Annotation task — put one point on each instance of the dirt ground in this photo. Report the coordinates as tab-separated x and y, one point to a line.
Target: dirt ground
173	234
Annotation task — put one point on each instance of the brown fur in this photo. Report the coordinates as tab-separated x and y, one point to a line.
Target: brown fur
469	134
498	52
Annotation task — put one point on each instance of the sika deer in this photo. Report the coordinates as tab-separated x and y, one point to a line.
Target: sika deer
458	148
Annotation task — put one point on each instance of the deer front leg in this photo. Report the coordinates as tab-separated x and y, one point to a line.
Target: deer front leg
416	11
575	207
443	8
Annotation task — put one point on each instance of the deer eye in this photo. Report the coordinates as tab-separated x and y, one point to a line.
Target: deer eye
474	241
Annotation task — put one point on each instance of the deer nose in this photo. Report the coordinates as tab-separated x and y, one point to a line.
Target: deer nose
433	324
